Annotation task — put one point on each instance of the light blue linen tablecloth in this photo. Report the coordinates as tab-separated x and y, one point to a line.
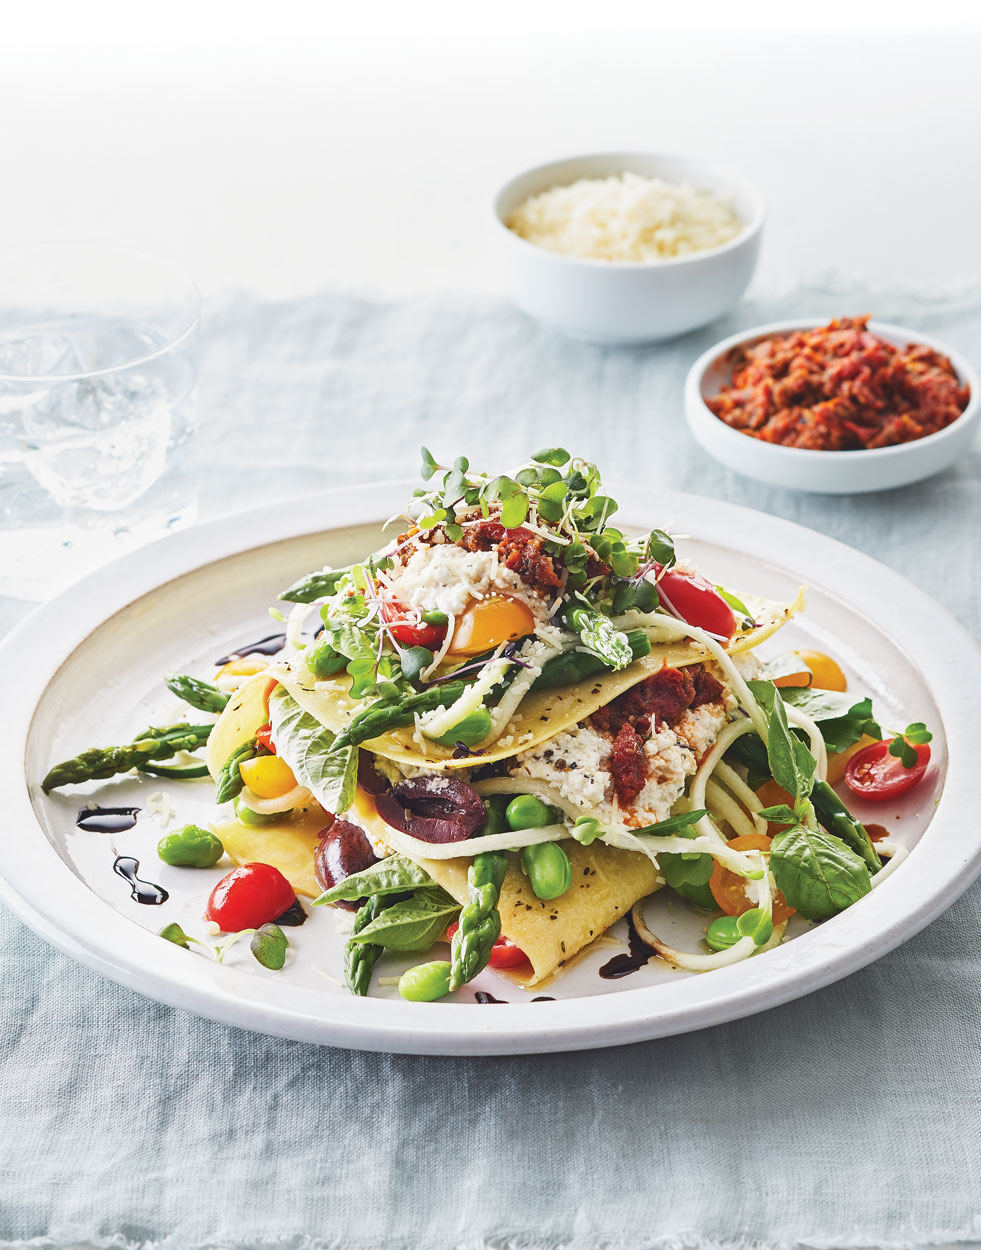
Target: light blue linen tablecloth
851	1118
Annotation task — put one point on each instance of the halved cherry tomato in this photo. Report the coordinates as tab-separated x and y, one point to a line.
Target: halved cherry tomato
263	738
488	622
772	795
695	599
821	671
876	775
248	897
504	953
729	889
267	776
407	626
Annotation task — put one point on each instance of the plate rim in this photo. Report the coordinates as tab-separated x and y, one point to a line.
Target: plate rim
879	923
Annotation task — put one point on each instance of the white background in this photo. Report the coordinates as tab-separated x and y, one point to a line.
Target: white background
285	148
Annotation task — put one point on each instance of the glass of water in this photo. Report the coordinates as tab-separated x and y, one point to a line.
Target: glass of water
98	373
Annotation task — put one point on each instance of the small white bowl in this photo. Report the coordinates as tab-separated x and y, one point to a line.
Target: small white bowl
625	302
827	472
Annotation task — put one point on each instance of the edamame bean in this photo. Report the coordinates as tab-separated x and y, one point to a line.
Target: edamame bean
426	982
527	811
723	933
323	661
548	869
496	821
191	847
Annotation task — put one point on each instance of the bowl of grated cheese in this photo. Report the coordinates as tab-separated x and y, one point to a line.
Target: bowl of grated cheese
628	247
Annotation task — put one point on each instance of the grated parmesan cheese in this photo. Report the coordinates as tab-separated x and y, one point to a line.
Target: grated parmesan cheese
626	218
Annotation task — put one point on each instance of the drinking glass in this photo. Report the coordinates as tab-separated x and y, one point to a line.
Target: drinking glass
98	373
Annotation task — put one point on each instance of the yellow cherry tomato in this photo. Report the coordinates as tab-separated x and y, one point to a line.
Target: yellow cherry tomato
729	889
772	795
488	622
247	666
267	776
837	762
824	673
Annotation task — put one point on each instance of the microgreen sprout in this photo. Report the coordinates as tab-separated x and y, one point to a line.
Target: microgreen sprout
903	746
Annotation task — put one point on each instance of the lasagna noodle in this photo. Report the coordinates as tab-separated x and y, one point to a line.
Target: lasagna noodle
540	716
606	882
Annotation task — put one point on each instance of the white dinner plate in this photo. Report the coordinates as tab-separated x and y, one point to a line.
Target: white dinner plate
86	670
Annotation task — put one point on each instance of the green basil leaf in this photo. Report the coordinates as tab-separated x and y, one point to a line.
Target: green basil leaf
677	824
780	813
791	763
349	640
841	720
304	744
387	876
737	605
817	873
269	945
412	925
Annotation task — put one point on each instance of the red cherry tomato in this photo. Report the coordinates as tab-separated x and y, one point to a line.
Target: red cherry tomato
695	599
876	775
248	897
504	953
263	739
406	626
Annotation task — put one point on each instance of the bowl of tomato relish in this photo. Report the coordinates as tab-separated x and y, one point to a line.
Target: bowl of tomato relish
838	407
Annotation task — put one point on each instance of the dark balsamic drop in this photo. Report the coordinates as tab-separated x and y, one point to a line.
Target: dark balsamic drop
107	819
543	998
482	996
265	646
622	965
141	891
293	916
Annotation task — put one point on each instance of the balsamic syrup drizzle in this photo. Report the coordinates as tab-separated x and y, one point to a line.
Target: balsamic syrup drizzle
622	965
265	646
482	996
141	891
543	998
106	819
293	916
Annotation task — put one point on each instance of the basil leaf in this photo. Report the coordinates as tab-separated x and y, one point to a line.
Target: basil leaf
791	763
817	873
387	876
348	640
269	945
841	720
599	635
780	814
412	925
737	605
304	744
677	824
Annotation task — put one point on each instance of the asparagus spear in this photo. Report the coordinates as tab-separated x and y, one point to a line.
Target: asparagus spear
361	957
480	921
382	717
229	781
200	694
314	586
98	763
575	666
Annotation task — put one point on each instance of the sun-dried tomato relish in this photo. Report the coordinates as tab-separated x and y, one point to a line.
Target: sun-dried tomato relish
839	388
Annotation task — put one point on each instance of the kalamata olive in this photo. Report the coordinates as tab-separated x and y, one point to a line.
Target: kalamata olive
344	849
433	809
369	778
